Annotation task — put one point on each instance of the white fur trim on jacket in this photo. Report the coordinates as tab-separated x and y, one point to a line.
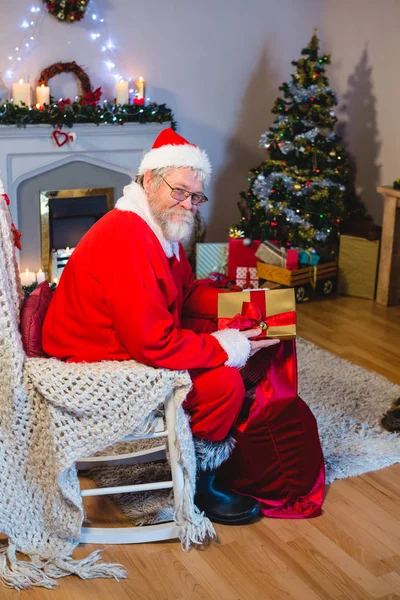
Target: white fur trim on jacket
135	200
236	345
176	156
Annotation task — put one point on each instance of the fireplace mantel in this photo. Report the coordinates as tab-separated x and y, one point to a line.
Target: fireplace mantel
26	152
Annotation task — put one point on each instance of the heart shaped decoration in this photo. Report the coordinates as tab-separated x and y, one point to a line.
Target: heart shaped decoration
60	137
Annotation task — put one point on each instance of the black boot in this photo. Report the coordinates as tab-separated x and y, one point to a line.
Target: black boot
222	505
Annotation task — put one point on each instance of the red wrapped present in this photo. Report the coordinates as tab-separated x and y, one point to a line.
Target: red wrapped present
240	255
272	310
292	259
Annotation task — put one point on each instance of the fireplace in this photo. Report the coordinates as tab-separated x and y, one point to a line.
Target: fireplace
101	157
65	216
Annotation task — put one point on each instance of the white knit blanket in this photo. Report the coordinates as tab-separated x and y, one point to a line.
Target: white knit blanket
53	413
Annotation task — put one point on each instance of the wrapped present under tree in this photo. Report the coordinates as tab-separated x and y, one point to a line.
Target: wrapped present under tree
211	258
241	253
246	277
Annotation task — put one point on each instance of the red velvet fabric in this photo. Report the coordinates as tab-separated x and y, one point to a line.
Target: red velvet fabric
32	318
278	457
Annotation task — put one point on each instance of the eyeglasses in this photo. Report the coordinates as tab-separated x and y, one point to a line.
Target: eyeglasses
181	195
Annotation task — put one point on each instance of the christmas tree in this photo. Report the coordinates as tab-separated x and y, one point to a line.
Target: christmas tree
298	196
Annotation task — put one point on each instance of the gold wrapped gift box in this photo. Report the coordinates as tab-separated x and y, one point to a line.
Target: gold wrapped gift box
277	310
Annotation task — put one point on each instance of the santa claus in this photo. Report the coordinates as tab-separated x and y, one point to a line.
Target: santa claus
128	292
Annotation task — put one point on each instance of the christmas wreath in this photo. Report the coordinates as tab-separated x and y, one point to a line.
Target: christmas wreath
67	11
89	96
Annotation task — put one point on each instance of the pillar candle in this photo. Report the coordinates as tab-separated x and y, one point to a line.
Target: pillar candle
140	88
27	277
40	276
122	96
21	93
42	94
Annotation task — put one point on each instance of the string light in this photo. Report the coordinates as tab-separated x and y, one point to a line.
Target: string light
30	24
26	45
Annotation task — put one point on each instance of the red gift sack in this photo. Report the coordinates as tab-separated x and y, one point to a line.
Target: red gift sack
278	458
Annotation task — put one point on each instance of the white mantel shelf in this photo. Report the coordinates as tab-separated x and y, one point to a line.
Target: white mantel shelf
26	152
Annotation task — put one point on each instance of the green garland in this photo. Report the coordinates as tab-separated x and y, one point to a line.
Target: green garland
68	115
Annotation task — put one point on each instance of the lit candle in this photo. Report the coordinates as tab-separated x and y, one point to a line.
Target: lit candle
28	277
21	93
42	94
55	280
140	88
122	92
40	276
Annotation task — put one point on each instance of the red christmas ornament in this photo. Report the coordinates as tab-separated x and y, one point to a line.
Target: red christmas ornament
139	101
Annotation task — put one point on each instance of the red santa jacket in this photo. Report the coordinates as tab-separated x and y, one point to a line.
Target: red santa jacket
123	293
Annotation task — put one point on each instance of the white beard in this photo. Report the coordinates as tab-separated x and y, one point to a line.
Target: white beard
174	231
178	231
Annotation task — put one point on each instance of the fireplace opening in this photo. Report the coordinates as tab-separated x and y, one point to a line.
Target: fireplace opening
66	215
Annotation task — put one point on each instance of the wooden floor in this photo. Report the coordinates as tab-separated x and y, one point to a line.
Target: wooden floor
352	552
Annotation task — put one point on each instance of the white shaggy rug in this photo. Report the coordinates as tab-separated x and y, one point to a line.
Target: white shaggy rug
348	403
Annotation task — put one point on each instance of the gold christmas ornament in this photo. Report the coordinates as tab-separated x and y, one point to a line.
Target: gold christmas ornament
297	187
332	153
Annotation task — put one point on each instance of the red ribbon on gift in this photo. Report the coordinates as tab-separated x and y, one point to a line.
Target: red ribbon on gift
252	316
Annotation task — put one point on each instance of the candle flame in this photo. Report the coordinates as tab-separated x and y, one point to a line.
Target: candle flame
42	86
37	105
141	79
21	81
40	271
27	271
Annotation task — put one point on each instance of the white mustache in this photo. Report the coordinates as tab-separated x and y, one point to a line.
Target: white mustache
180	212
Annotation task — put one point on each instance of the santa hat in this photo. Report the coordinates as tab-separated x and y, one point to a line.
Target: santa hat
172	150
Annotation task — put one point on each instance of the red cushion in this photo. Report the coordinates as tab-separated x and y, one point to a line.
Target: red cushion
32	318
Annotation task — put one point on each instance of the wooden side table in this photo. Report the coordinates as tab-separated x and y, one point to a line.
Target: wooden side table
388	291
